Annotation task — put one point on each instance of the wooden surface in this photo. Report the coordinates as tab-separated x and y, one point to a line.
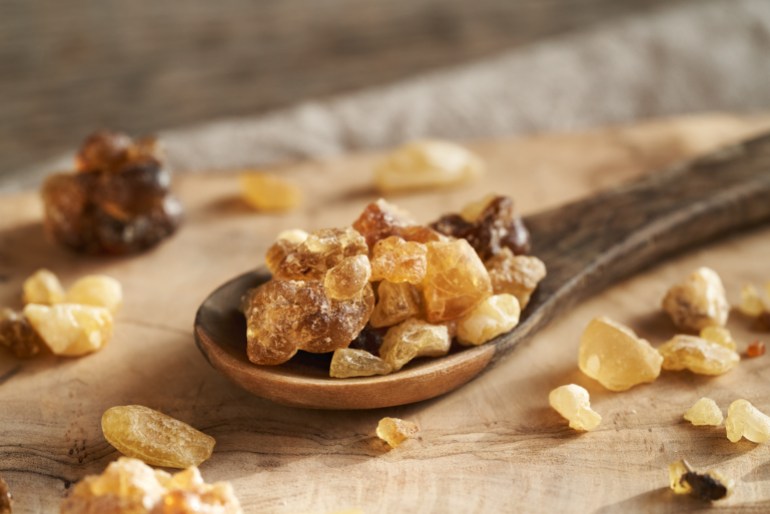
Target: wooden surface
492	446
66	69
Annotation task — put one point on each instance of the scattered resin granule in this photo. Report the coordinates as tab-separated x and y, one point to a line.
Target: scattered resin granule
697	302
42	287
697	355
614	356
574	404
704	412
155	438
745	420
71	329
129	486
708	486
424	164
395	431
98	291
267	192
755	349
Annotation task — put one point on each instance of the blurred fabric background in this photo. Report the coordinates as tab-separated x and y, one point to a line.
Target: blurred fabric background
291	79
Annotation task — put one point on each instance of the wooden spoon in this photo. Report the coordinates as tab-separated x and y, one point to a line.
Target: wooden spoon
586	245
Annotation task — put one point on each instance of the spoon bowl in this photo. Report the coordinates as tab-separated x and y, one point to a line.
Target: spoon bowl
586	245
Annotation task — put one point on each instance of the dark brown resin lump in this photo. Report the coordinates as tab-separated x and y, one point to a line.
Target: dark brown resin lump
116	202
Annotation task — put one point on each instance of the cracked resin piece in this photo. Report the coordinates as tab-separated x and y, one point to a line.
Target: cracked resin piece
518	275
284	316
97	291
396	260
348	278
6	500
395	431
455	282
745	420
311	258
267	192
17	334
287	242
129	486
395	303
719	335
381	219
155	438
574	405
613	355
704	412
42	287
414	338
424	164
495	315
71	329
698	302
117	202
351	362
697	355
708	486
489	226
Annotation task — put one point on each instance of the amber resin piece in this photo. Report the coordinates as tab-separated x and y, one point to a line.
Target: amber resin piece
348	278
98	291
704	412
518	275
284	316
455	281
351	362
573	403
698	302
6	500
613	355
118	202
708	486
719	335
396	260
315	255
755	349
155	438
494	225
495	315
414	338
423	164
745	420
17	334
287	242
395	303
71	329
267	192
395	431
697	355
381	219
129	486
42	287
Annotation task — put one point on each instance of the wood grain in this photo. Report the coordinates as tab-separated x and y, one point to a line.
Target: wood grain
491	446
145	66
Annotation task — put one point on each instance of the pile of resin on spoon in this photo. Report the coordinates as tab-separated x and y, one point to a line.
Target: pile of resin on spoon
387	290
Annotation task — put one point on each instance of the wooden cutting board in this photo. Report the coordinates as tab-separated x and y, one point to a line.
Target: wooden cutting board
492	446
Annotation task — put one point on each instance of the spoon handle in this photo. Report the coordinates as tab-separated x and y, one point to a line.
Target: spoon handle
592	243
